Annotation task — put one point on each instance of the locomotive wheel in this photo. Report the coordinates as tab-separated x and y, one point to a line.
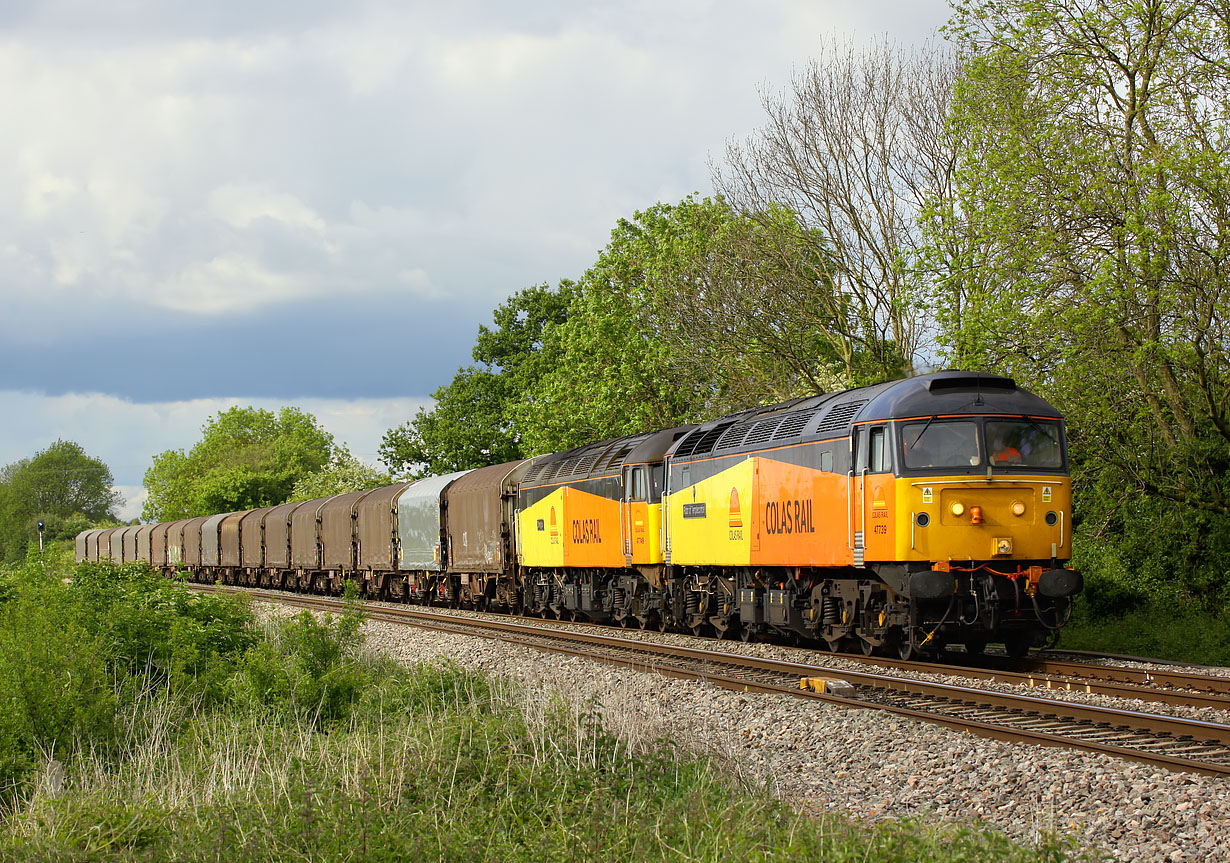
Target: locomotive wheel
975	646
648	621
868	647
747	633
906	650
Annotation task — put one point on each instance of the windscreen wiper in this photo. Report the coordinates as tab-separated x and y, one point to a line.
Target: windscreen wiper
923	432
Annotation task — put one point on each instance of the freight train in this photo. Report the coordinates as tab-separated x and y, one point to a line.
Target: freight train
901	517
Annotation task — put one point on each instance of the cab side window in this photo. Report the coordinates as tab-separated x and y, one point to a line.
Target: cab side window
879	458
640	485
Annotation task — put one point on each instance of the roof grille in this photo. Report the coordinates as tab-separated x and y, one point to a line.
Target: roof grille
762	431
536	472
702	442
587	462
733	438
792	426
839	417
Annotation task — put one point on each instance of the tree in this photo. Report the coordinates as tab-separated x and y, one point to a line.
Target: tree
60	485
471	424
1100	191
857	149
344	473
246	458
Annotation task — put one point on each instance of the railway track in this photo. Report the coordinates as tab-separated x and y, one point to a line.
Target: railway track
1169	742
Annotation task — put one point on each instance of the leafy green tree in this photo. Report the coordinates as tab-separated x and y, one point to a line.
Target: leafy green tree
344	473
60	485
246	458
471	424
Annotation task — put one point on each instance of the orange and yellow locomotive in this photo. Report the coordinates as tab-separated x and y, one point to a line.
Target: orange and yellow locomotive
906	516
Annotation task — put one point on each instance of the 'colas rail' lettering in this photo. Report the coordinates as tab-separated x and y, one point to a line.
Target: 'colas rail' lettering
788	516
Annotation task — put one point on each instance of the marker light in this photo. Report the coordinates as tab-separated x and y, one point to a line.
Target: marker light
975	515
1018	508
958	508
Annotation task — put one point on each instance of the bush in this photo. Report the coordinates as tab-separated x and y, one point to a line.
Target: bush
55	687
307	668
74	657
158	629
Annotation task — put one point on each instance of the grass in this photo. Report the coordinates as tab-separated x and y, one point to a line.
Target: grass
440	764
1177	631
220	741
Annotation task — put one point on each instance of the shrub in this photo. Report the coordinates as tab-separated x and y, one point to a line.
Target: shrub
307	668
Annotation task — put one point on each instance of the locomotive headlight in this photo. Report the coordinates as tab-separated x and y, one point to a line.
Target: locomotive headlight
1018	507
958	508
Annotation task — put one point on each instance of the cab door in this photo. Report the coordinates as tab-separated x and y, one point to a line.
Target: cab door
856	512
877	491
641	517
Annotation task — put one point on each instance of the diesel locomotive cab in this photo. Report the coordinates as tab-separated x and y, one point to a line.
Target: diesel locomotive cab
982	513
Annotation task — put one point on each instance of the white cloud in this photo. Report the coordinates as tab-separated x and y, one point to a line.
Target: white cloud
239	205
229	159
230	283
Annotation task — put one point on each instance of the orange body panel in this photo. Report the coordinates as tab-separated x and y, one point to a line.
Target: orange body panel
798	516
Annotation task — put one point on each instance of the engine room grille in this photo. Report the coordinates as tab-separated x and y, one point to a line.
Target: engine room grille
838	419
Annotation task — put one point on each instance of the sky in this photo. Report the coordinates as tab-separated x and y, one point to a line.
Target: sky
316	202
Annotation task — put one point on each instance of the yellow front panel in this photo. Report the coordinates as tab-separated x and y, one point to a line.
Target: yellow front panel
952	536
710	521
540	533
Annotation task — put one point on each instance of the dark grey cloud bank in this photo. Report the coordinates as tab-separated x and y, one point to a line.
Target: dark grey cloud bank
383	347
